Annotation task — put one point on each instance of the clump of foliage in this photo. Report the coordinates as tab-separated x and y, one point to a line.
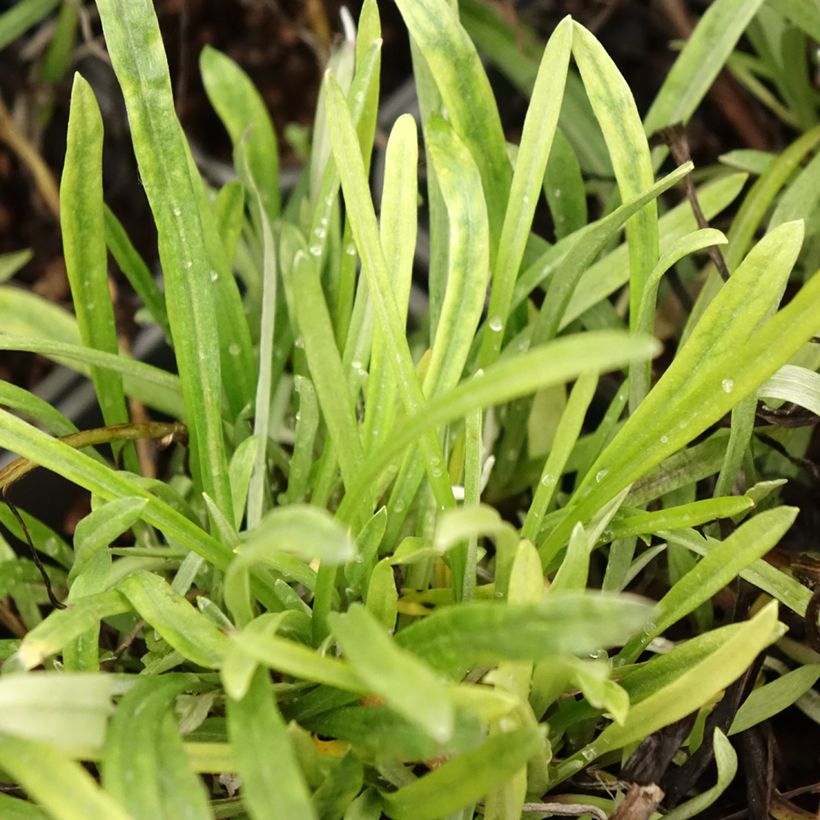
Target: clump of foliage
320	611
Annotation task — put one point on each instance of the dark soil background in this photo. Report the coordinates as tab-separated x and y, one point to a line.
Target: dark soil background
284	46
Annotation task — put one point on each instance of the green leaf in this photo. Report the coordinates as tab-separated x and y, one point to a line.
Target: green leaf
342	783
564	188
772	698
722	362
465	90
10	263
150	384
683	695
617	113
26	314
698	64
272	784
454	638
795	384
109	484
749	542
298	661
533	152
86	259
135	270
672	518
553	363
245	117
464	779
407	686
48	776
22	16
365	231
135	47
762	574
726	761
144	764
177	621
63	625
68	711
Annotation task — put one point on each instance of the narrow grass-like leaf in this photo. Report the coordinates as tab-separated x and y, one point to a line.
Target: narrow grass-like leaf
63	625
690	243
32	406
700	61
612	271
32	444
48	776
617	113
67	711
721	363
12	262
407	686
455	638
133	39
177	621
533	152
685	694
240	468
135	270
156	387
102	526
566	434
267	331
143	765
22	16
306	532
245	117
457	71
341	784
325	363
564	188
298	661
365	230
559	361
398	226
307	424
464	779
749	542
798	385
25	314
272	783
772	698
762	574
803	13
726	761
685	515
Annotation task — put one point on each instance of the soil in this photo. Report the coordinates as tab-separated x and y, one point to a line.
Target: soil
284	46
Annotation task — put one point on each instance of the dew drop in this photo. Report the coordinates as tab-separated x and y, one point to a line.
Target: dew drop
356	365
316	250
546	480
350	250
728	385
525	200
398	507
557	193
213	275
664	439
187	264
177	211
496	324
320	232
479	373
299	342
233	349
600	475
436	472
